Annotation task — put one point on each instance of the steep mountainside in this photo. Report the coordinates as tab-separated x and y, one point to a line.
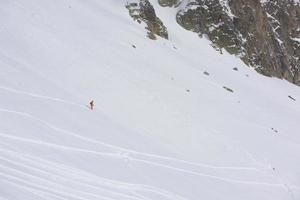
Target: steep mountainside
173	119
264	34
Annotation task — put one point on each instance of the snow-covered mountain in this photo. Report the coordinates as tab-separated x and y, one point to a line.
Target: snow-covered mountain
173	119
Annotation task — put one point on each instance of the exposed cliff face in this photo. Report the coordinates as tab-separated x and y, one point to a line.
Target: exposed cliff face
284	18
265	34
143	11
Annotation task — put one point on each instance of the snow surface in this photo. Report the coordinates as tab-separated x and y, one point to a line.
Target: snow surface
161	129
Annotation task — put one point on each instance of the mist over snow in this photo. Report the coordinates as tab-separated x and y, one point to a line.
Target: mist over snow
173	119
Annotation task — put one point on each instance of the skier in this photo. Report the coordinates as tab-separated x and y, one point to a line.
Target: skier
92	104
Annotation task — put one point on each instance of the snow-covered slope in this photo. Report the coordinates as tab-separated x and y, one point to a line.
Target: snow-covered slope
161	128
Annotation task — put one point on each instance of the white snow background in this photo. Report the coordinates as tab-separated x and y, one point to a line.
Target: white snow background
161	128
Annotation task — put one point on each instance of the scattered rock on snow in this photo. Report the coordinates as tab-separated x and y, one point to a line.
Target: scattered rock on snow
292	98
228	89
206	73
274	130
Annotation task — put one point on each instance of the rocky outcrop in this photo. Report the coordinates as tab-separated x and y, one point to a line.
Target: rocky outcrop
284	18
211	18
264	34
143	11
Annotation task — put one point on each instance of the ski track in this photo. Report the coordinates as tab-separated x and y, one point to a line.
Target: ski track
143	161
123	156
72	171
56	146
59	176
72	174
41	96
35	192
73	191
49	188
124	149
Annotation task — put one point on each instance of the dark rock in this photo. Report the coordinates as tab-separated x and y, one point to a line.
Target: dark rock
292	98
143	11
206	73
265	36
274	130
228	89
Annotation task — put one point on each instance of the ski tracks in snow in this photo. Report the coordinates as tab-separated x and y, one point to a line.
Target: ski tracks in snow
113	189
88	184
131	155
41	96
